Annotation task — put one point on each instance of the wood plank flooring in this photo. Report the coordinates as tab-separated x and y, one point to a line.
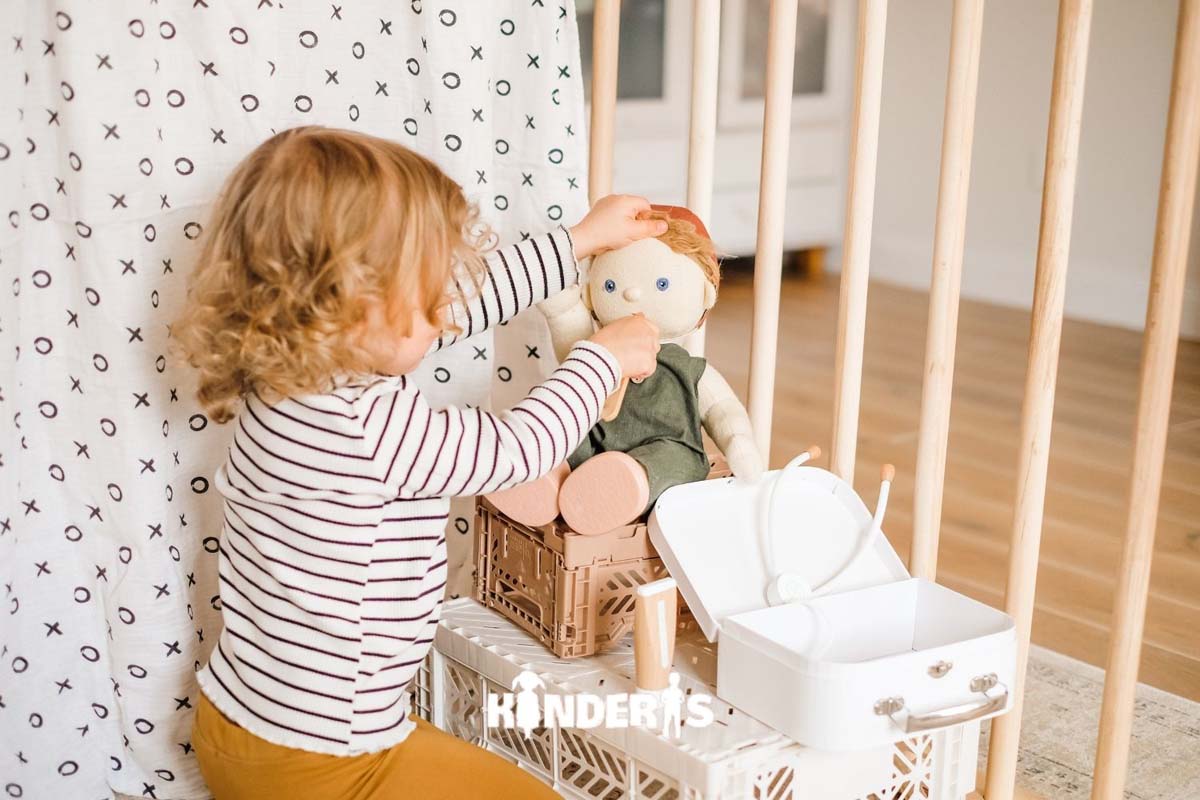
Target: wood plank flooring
1089	461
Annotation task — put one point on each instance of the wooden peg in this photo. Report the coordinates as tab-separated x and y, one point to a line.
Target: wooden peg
1037	410
612	406
1176	202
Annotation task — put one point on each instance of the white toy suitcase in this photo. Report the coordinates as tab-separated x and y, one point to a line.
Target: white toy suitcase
871	657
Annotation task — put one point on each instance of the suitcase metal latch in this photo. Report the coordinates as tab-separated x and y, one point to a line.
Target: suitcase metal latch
889	706
940	669
984	683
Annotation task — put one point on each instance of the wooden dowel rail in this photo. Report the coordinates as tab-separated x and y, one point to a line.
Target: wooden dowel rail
606	28
1176	203
702	128
856	242
958	133
1181	161
1054	238
768	254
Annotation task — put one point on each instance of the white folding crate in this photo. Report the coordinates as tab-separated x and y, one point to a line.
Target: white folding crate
477	652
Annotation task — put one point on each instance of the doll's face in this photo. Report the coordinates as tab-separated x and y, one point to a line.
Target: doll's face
651	278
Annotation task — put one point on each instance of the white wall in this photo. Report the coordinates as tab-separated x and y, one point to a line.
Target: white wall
1120	159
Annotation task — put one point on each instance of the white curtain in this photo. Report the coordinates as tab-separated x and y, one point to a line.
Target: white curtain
118	122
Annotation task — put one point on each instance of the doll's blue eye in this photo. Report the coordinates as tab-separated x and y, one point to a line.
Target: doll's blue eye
610	286
663	284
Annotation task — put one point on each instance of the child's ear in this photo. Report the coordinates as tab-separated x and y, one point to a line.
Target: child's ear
710	295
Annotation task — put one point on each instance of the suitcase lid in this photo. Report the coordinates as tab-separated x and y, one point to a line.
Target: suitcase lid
712	537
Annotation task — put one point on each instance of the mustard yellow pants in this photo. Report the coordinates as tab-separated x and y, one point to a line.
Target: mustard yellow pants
428	765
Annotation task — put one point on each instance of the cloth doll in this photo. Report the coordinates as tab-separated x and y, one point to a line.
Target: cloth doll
655	441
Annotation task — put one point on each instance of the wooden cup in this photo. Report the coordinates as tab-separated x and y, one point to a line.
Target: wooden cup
654	634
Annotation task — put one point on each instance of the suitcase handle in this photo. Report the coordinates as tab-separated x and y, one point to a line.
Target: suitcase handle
956	715
950	716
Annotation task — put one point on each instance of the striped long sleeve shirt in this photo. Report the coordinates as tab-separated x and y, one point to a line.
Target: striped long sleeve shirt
332	560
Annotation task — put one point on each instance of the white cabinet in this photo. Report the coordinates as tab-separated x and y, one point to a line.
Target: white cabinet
652	113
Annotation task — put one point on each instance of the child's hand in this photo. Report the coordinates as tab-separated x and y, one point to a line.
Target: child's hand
633	341
613	223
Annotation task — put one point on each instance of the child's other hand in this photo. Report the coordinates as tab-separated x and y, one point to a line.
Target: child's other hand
633	341
613	223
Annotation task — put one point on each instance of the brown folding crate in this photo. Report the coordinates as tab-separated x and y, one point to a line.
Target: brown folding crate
574	593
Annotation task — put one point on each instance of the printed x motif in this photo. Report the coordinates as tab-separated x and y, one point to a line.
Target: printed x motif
118	125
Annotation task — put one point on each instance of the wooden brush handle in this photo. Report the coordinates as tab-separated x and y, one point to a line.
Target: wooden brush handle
612	406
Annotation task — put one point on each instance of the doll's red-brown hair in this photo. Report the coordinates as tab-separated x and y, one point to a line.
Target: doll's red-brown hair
687	236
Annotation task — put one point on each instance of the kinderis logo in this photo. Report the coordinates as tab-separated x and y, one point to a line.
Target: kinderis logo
520	708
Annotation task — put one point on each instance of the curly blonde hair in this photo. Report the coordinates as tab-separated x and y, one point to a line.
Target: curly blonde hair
313	225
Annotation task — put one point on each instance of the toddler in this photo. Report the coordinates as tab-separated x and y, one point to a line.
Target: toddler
334	263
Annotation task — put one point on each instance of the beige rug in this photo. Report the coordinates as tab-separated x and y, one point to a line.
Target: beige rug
1062	717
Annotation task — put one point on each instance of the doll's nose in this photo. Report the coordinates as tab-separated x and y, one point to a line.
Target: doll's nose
632	294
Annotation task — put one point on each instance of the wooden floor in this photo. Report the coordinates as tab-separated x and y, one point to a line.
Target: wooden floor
1089	464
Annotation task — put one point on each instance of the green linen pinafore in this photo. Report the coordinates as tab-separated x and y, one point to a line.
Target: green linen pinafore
659	424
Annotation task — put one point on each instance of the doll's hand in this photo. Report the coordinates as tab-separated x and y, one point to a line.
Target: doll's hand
633	341
613	223
744	458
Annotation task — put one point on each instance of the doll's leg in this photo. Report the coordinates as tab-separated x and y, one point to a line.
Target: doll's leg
603	493
669	464
613	489
534	503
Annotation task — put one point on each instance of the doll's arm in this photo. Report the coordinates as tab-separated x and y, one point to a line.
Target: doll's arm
726	421
568	318
516	277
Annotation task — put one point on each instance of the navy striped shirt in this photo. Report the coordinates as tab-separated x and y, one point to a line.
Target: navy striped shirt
332	563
